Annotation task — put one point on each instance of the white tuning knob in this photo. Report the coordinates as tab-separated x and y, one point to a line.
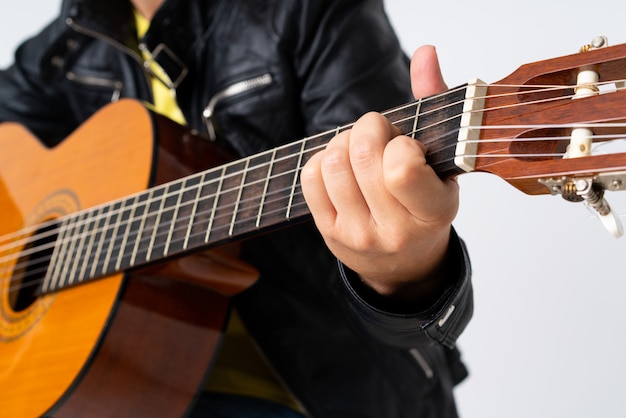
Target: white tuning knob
613	224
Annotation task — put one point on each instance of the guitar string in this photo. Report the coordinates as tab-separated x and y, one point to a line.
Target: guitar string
34	272
75	238
200	185
182	220
23	231
296	144
540	87
486	128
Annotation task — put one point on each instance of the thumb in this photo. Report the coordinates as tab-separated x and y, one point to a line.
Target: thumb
426	77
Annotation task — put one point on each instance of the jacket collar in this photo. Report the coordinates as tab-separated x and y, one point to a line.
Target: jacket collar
111	18
174	32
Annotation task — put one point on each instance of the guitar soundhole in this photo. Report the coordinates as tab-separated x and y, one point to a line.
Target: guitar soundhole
31	268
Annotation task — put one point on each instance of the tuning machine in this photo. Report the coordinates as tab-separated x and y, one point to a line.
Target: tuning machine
591	191
587	79
597	42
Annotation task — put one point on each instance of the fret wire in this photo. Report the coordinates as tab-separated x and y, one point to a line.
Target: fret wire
214	211
214	218
111	243
118	223
92	237
294	206
67	252
239	194
216	198
194	209
276	211
63	253
94	265
269	201
131	216
265	188
50	279
295	179
101	223
156	223
81	240
174	216
415	119
141	227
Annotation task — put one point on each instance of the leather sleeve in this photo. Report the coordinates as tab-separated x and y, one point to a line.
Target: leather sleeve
440	323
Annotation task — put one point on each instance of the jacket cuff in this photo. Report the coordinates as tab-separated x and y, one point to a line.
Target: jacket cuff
442	322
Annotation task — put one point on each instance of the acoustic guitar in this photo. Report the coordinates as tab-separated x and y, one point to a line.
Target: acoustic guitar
118	246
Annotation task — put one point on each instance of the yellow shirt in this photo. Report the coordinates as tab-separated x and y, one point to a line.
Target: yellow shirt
164	98
239	367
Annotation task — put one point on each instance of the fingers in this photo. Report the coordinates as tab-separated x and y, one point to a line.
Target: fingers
314	189
377	202
375	199
426	77
415	184
347	176
368	141
326	172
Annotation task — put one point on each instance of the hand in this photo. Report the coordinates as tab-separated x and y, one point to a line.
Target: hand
380	208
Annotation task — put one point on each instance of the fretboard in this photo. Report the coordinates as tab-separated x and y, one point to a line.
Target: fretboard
246	197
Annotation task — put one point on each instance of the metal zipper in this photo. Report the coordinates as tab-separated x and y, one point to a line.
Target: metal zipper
421	361
97	81
230	91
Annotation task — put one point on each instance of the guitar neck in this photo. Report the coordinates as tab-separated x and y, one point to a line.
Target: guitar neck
243	198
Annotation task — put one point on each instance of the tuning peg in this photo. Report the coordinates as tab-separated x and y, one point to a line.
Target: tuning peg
591	191
596	201
613	224
596	42
580	146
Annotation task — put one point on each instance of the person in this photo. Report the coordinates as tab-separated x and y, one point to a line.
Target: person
357	313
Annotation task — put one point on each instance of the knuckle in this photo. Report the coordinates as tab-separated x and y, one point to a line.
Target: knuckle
363	154
334	160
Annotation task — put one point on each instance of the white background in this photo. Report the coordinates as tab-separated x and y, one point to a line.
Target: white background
548	336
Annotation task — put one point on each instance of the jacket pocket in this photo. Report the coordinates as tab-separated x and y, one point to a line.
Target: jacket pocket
96	82
233	90
89	91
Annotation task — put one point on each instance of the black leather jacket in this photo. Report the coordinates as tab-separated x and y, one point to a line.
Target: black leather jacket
302	67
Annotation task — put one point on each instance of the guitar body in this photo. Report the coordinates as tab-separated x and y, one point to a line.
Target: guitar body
133	344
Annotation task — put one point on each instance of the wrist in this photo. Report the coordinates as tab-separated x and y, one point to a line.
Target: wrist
417	292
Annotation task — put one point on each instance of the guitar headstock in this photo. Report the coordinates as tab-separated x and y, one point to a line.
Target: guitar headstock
556	126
